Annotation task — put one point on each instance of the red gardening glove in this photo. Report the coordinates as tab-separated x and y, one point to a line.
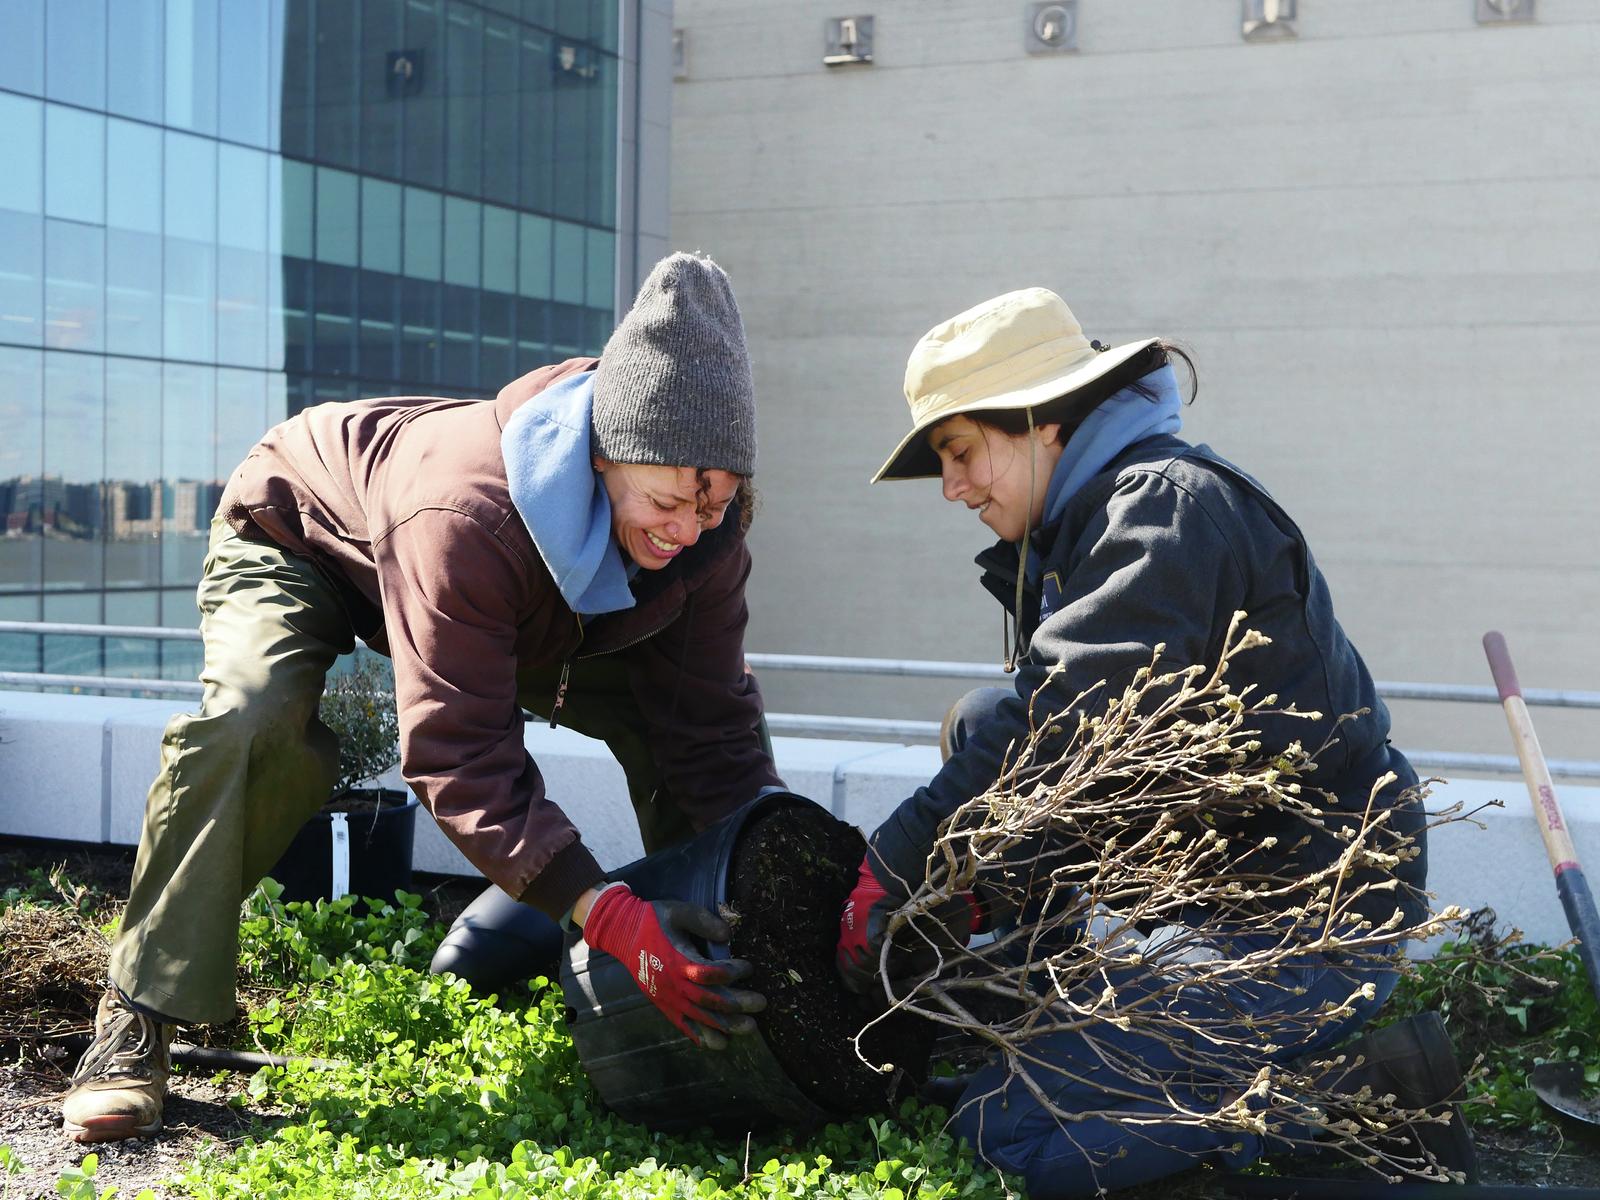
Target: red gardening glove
861	924
652	938
865	919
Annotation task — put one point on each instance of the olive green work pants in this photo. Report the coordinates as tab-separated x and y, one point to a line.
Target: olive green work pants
240	776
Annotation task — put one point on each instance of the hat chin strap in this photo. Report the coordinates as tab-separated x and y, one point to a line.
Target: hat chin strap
1013	643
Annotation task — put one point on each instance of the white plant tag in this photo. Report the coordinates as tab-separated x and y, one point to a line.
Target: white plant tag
341	857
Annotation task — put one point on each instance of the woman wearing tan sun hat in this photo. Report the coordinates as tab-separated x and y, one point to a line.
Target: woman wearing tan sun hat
1116	536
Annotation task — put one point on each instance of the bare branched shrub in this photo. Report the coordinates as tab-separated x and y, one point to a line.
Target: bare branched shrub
1143	904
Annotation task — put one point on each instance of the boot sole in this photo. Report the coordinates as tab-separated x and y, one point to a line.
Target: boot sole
108	1129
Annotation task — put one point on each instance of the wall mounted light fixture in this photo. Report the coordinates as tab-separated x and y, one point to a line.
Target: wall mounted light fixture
1052	27
849	40
1268	20
1505	12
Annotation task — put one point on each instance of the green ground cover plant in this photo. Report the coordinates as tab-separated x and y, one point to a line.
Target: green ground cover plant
413	1087
420	1089
1509	1006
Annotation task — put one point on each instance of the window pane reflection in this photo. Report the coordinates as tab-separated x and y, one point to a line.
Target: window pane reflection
134	71
133	658
424	116
133	474
600	268
378	337
21	278
501	85
382	115
22	49
298	208
22	151
333	328
461	242
74	286
242	306
536	138
243	81
189	250
241	417
464	84
75	51
459	348
190	277
133	301
74	164
499	249
424	220
64	654
189	484
337	221
568	283
133	192
338	79
380	226
19	651
242	263
180	660
192	65
533	257
74	465
21	467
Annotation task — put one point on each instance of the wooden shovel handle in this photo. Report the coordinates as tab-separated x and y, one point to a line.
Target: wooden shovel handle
1535	773
1571	885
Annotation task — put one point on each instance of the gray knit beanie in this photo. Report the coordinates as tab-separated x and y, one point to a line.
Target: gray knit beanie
673	386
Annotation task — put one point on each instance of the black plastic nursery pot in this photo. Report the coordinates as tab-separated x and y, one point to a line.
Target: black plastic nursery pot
779	870
378	851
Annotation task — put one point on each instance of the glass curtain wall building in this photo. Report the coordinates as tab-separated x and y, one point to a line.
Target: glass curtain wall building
215	213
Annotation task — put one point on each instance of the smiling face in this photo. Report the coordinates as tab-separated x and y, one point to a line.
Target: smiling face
658	512
987	470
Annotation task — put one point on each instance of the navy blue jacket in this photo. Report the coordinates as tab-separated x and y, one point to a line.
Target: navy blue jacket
1164	546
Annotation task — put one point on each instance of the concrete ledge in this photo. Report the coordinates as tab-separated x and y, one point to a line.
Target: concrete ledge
57	763
77	768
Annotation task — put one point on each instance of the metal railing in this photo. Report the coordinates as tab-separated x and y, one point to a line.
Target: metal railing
886	728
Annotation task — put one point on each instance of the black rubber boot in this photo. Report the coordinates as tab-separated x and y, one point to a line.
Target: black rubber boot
497	941
1413	1061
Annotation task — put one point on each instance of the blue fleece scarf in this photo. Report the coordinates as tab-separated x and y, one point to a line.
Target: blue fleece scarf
560	498
1117	422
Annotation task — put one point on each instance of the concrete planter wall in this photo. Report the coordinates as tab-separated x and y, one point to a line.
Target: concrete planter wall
77	768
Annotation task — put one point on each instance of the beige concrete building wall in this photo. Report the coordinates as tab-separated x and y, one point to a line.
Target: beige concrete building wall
1381	240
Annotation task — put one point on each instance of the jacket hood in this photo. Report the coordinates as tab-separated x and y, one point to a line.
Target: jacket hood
558	494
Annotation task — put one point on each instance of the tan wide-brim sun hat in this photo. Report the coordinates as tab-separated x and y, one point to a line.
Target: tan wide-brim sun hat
1015	351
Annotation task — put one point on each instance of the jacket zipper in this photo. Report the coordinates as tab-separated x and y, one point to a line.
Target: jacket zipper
643	637
566	667
566	672
561	692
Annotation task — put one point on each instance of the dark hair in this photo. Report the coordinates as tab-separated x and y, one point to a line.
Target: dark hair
745	497
1069	411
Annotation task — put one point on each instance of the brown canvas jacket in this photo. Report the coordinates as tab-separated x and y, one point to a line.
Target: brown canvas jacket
403	503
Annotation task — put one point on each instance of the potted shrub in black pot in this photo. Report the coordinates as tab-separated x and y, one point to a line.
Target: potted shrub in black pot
778	870
360	842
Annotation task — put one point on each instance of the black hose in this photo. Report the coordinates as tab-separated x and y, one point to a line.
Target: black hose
219	1057
240	1060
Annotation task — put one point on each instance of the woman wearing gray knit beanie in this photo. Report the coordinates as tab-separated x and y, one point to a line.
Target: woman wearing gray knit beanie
574	548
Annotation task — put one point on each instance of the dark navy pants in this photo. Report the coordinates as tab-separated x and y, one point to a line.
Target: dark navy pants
1104	1069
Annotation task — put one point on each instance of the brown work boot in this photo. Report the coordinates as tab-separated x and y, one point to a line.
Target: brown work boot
121	1081
1414	1062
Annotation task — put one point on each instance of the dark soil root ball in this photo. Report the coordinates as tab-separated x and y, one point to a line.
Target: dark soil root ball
791	874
